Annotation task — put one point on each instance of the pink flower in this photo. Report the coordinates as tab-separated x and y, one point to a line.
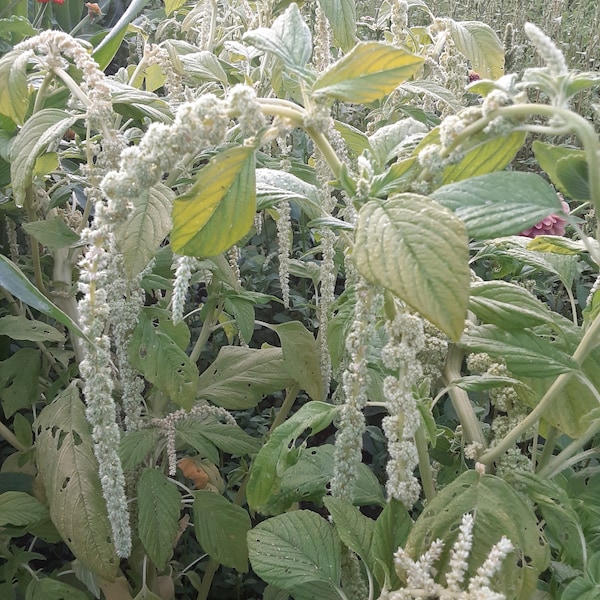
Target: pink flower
552	225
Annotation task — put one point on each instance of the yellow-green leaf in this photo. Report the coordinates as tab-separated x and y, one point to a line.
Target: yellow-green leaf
419	250
173	5
368	72
14	94
219	209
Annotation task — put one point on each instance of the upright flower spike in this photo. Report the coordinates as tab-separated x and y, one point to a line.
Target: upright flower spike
547	49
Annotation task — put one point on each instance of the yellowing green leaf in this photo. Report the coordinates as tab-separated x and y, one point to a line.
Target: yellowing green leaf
419	250
69	471
480	44
368	72
173	5
219	209
14	94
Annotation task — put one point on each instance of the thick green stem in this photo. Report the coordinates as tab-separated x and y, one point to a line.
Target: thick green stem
286	406
589	341
211	569
11	438
460	399
207	328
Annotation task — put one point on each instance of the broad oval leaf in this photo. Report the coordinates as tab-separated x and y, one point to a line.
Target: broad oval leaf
219	209
221	528
19	380
480	44
54	233
549	157
146	227
159	506
163	362
341	15
498	511
69	471
51	589
20	508
22	328
368	72
270	463
14	93
289	38
41	131
417	249
499	204
295	548
240	378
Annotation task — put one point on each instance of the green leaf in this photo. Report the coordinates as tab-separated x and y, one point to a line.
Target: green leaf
146	594
389	140
368	72
146	227
20	509
274	186
41	132
582	588
19	381
54	233
242	310
341	15
187	434
288	38
417	249
480	44
390	533
498	511
435	91
507	305
136	445
51	589
14	93
548	157
203	66
159	506
573	174
525	353
163	363
355	529
163	319
219	208
301	357
22	328
69	471
105	51
221	528
172	5
295	548
270	463
240	378
356	140
492	205
228	437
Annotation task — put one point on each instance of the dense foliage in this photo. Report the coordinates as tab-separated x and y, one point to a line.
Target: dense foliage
297	300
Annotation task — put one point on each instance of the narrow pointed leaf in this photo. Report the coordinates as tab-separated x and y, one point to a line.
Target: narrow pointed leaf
295	548
43	130
219	209
341	15
368	72
417	249
13	280
146	227
69	471
159	506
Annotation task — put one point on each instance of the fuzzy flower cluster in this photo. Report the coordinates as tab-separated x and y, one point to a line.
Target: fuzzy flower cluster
552	225
183	275
547	49
351	426
284	241
419	575
406	340
168	426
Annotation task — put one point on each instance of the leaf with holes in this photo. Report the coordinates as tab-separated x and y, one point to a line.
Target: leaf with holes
368	72
69	471
19	383
219	208
163	362
498	511
159	506
22	328
419	250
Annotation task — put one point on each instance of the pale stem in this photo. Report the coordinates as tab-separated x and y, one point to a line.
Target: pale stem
588	343
11	438
207	328
41	93
460	399
424	464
